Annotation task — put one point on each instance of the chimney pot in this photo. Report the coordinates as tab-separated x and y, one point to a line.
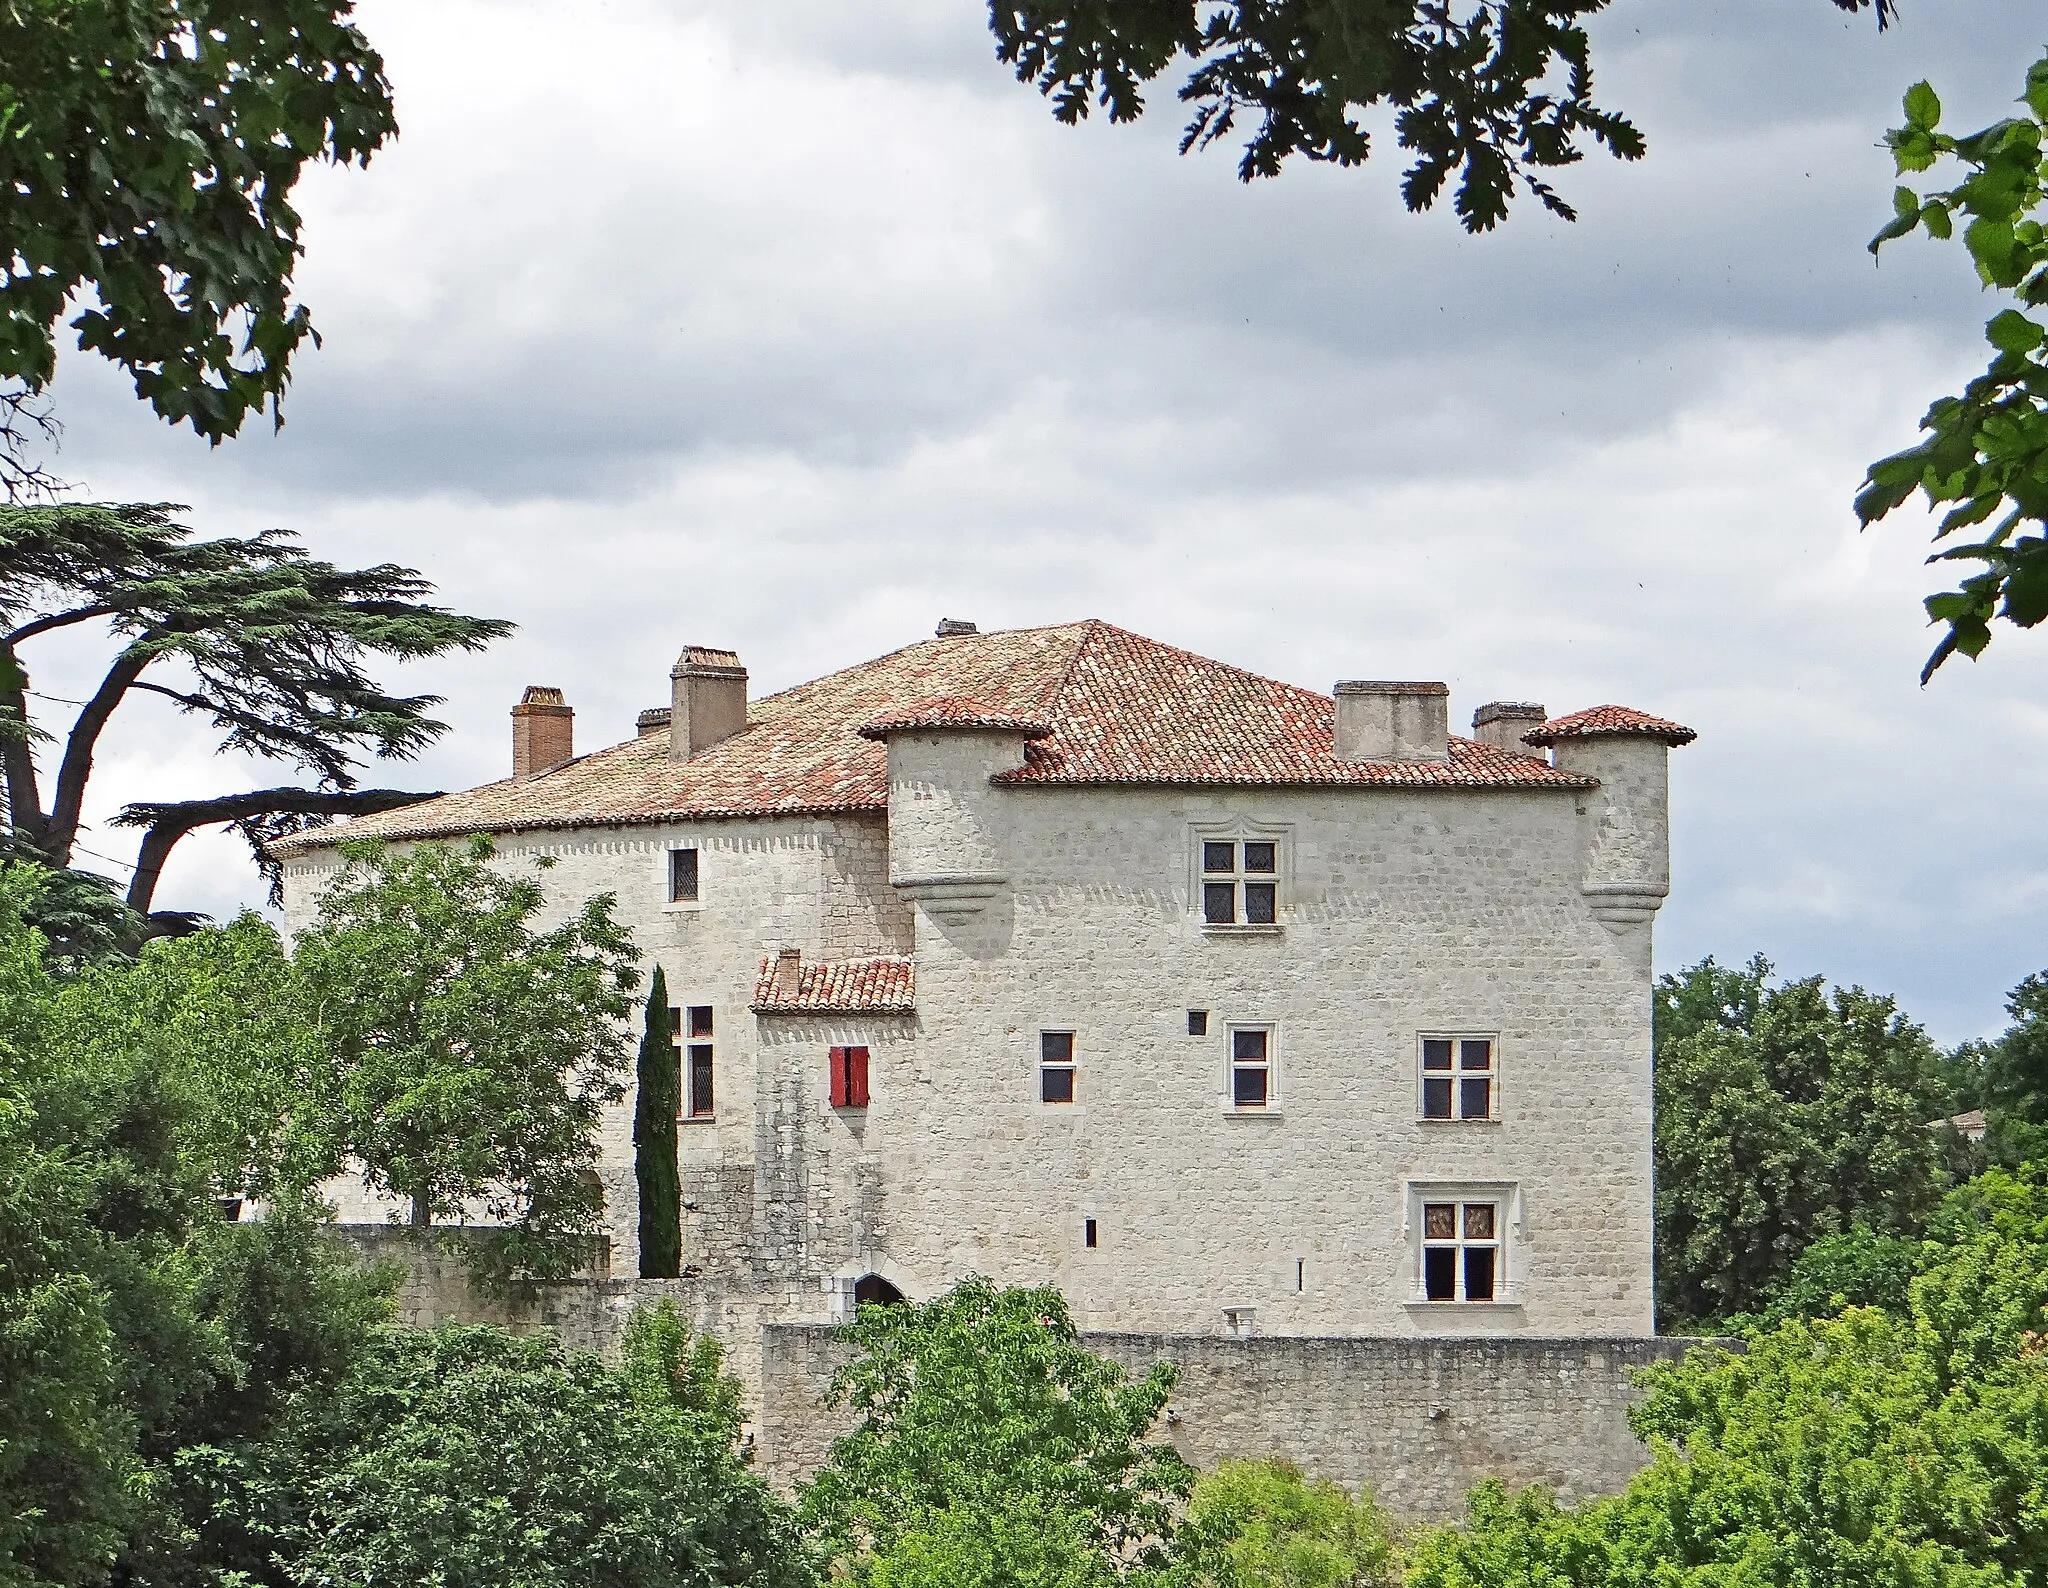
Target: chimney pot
1501	724
543	731
1380	720
708	692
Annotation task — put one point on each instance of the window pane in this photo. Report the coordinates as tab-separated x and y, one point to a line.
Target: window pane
1475	1055
1436	1098
1479	1273
700	1020
1055	1084
682	874
1219	857
1249	1045
1475	1098
1056	1047
1440	1274
1248	1088
1198	1022
1436	1055
700	1081
1259	902
1478	1221
1258	857
1440	1221
1219	903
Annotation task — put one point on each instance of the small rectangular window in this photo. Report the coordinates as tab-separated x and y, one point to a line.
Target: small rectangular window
1088	1233
700	1020
1219	857
1055	1066
682	876
1461	1257
1458	1078
1219	903
849	1077
1259	857
1198	1022
1261	903
1251	1067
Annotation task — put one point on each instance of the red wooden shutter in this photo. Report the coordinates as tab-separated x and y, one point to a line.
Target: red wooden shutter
856	1077
840	1088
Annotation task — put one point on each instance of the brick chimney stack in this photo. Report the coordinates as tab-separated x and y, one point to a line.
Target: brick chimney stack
543	731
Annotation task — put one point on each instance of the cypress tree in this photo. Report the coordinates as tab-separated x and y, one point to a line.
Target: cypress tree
658	1098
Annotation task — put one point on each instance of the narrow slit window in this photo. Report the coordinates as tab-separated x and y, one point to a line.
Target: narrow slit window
682	876
1458	1078
1461	1251
1251	1067
1056	1066
1088	1233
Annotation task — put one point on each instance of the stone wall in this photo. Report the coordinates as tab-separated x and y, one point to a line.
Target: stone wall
1417	1422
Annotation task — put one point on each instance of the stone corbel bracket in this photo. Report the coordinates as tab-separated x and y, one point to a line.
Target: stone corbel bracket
1621	906
953	897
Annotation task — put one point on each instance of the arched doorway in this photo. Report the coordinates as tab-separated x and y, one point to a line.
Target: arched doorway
872	1290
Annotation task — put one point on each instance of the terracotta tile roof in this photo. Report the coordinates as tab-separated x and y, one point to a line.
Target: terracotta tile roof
1597	722
951	711
847	986
1123	709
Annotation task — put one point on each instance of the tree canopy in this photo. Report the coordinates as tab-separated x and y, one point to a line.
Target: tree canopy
993	1448
148	151
1784	1114
470	1056
1985	453
267	643
1495	93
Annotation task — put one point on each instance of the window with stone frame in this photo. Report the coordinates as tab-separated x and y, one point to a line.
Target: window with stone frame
1252	1069
1056	1067
682	876
1459	1078
693	1036
1240	881
1463	1255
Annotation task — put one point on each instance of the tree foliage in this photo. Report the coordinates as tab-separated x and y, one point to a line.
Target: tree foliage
268	644
1492	92
1985	453
993	1448
1784	1114
1899	1448
657	1103
471	1055
468	1455
148	151
134	1323
1262	1524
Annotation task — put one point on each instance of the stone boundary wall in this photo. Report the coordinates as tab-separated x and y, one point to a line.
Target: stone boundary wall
1416	1421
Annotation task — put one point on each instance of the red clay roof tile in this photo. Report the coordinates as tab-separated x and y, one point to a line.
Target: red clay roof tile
1122	709
847	986
1608	722
951	711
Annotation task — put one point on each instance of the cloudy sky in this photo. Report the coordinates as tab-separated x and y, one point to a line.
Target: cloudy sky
797	327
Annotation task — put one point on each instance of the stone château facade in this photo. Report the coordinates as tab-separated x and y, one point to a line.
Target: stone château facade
1063	956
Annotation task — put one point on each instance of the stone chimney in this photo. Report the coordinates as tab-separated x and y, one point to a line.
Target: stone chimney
1382	721
787	979
709	700
543	731
651	721
1501	724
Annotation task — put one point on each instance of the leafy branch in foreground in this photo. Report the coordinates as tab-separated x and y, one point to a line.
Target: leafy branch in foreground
1985	452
